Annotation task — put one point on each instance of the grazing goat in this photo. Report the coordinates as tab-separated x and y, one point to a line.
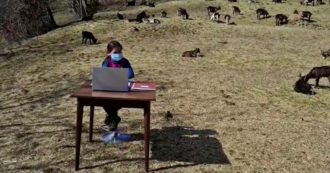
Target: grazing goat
261	12
281	19
141	16
227	19
120	16
88	36
211	9
325	53
317	73
130	3
163	14
191	53
87	18
183	12
236	10
301	86
151	4
277	1
305	15
215	17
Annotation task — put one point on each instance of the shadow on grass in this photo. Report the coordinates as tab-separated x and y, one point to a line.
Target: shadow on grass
185	145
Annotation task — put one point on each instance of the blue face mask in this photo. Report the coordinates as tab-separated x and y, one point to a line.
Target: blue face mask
116	57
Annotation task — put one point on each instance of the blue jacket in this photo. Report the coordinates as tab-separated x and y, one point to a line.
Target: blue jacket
123	63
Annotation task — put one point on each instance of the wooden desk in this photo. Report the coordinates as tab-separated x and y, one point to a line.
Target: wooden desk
87	97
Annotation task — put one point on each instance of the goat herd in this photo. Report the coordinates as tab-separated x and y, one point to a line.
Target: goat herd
301	85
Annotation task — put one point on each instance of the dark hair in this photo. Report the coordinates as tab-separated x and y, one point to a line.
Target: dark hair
113	44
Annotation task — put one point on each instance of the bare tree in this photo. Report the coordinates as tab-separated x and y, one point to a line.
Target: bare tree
84	8
27	18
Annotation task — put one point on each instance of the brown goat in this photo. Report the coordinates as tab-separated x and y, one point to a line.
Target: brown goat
191	53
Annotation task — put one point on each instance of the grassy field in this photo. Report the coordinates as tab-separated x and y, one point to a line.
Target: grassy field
234	110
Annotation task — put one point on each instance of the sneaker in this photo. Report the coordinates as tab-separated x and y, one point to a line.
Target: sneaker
114	123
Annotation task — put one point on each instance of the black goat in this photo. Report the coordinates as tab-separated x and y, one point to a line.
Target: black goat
130	3
236	10
306	15
141	16
120	16
277	1
87	18
301	86
88	36
163	13
183	12
317	73
281	19
325	53
261	12
211	9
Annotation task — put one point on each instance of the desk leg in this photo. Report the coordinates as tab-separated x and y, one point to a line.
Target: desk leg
146	136
80	109
91	121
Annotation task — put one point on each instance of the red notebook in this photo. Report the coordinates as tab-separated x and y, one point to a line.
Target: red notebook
143	86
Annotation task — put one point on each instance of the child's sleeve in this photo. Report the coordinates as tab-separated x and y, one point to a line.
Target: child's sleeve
130	71
105	62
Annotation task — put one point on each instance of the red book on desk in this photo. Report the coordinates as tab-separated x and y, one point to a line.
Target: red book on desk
143	86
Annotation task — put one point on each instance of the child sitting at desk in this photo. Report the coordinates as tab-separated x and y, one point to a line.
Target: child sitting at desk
115	59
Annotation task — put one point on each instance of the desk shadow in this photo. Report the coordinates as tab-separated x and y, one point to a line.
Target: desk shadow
186	145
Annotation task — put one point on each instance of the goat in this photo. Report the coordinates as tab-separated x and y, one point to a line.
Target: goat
163	14
191	53
236	10
305	15
317	73
325	54
141	16
87	18
232	0
277	1
215	17
120	16
151	4
88	36
301	86
313	2
261	12
227	19
281	19
211	9
130	3
183	12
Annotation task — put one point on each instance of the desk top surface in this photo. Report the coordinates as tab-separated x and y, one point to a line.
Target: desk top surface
86	91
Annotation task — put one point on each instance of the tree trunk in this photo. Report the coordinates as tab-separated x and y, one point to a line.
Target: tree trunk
51	17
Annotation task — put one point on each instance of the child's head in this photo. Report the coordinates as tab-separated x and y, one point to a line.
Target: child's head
114	47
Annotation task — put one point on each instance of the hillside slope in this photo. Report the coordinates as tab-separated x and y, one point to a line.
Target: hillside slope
237	100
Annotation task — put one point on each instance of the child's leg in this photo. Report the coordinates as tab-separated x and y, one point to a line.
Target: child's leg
112	119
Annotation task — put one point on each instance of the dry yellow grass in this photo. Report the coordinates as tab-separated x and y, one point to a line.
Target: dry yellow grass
234	109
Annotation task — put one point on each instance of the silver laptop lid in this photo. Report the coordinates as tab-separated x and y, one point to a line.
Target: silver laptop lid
110	79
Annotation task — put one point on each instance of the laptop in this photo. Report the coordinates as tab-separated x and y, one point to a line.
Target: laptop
110	79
